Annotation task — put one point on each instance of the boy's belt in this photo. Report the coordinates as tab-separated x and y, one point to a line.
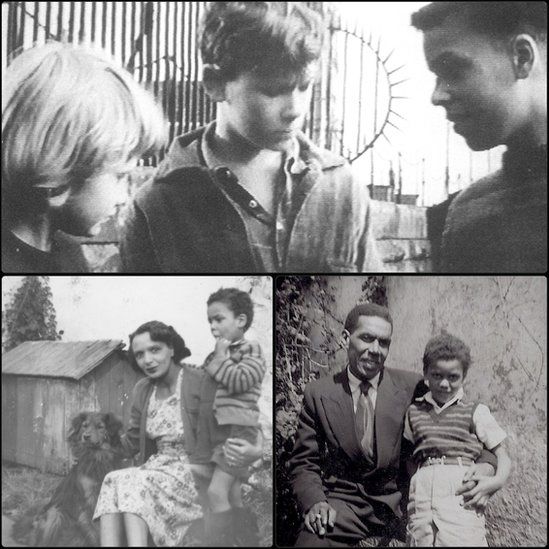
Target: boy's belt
443	460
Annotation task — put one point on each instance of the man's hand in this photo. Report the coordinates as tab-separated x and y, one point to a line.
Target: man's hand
240	452
475	497
320	517
222	347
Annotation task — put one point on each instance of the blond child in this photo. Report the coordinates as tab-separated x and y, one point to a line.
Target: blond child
73	124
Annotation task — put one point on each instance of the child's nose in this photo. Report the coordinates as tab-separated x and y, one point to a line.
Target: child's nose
295	105
444	384
441	93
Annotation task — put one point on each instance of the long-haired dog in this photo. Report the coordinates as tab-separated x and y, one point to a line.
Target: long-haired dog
66	520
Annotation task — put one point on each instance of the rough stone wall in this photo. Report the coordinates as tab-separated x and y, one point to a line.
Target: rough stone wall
401	234
502	319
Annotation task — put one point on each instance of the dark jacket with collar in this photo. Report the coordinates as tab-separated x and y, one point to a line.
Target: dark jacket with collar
182	222
327	458
135	440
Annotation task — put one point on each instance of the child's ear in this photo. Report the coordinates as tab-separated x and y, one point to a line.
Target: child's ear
242	319
524	52
213	82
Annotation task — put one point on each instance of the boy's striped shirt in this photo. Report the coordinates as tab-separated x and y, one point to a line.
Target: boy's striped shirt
239	379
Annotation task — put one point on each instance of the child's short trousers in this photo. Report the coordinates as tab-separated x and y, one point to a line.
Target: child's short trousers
232	431
435	516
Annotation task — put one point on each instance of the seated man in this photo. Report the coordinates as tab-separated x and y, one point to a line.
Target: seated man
348	465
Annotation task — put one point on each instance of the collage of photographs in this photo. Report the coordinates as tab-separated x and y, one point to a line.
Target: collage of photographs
274	274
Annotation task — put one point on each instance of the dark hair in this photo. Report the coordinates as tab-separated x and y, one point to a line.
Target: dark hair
366	309
239	302
446	347
265	37
497	20
158	331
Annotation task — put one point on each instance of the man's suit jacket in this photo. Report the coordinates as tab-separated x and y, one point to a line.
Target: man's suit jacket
327	459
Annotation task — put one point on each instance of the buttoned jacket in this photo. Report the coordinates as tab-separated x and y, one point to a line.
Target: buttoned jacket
183	222
327	458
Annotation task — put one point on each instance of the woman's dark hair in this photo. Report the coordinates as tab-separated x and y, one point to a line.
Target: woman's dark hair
158	331
446	347
239	302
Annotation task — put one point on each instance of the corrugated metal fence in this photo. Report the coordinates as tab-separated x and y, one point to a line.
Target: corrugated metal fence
157	42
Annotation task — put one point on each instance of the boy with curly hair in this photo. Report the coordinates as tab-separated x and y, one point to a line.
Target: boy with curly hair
449	432
235	369
250	192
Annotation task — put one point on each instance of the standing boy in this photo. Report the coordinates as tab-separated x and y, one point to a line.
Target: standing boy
449	432
250	192
346	463
490	60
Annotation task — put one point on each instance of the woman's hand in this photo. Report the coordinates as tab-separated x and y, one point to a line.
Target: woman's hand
240	452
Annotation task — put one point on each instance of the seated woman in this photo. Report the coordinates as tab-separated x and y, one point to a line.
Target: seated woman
73	124
159	496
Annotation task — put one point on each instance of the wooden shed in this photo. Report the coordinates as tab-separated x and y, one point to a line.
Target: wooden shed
46	383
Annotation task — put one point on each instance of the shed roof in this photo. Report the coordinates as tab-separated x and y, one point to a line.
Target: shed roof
69	359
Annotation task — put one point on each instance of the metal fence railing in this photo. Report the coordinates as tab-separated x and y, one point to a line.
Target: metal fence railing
157	42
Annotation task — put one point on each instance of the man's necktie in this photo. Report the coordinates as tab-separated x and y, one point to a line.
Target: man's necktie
364	421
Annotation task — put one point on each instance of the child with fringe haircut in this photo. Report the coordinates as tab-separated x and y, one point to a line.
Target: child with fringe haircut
449	432
74	123
250	192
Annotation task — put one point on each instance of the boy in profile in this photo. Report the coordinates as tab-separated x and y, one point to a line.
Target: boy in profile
250	192
490	60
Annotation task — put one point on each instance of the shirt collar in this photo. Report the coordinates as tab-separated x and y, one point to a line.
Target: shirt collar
237	343
428	397
354	382
292	162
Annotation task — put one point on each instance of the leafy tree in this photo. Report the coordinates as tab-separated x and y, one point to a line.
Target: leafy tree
30	315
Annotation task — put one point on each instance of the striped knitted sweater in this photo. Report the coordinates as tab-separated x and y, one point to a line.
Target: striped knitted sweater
450	433
239	378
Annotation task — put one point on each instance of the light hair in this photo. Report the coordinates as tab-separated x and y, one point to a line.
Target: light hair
70	114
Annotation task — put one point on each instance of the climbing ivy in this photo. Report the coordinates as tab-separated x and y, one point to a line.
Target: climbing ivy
301	303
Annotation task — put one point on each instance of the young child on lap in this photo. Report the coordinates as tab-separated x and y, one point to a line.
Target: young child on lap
235	372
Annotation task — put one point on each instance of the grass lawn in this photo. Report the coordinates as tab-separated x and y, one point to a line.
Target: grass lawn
23	487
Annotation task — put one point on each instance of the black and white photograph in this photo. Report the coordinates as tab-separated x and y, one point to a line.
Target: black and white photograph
274	137
274	274
137	411
411	411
